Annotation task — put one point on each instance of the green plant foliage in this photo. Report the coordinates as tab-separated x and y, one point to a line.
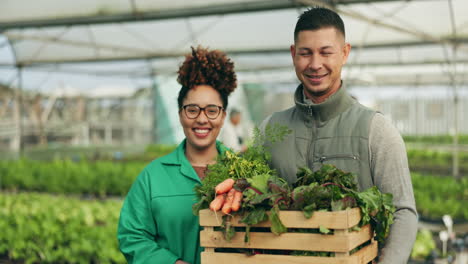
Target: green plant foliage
42	228
439	139
100	178
155	151
423	245
435	161
438	195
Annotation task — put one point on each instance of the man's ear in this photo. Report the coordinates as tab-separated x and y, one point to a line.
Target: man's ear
293	51
346	51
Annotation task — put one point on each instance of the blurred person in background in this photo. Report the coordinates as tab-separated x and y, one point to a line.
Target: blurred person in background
329	126
156	221
232	134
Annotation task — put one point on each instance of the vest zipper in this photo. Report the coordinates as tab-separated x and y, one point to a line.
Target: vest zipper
338	156
310	161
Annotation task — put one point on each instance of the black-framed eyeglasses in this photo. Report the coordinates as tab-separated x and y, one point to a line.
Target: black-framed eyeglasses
192	111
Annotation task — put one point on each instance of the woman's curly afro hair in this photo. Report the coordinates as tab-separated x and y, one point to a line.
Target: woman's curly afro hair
207	67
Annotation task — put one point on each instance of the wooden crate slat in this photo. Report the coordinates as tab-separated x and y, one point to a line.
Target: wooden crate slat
364	255
295	219
289	241
238	258
356	238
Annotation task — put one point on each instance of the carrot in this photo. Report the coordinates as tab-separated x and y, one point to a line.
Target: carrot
217	202
236	202
224	186
227	207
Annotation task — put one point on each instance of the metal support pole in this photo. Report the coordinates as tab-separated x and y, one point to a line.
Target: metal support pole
455	169
453	75
154	93
19	119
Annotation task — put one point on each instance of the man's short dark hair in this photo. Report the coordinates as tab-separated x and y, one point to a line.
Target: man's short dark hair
317	18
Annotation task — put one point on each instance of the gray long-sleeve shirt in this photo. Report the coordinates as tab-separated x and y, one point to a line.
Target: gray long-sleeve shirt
389	165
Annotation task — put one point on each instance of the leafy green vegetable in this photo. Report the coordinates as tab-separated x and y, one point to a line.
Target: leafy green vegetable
254	217
324	230
228	230
327	174
377	209
259	182
327	189
342	204
333	189
277	226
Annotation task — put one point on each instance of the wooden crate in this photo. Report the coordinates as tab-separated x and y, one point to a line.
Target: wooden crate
341	242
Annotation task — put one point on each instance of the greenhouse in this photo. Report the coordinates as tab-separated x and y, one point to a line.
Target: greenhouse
89	98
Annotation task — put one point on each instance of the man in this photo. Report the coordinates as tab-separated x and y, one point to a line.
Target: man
329	126
231	134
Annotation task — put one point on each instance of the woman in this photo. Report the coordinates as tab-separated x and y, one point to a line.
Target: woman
156	221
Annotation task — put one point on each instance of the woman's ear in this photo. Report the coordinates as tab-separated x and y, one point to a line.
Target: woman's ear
223	116
181	115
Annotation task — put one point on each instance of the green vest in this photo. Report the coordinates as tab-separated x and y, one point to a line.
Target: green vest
333	132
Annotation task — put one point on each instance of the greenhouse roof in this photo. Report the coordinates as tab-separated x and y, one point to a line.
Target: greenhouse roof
385	34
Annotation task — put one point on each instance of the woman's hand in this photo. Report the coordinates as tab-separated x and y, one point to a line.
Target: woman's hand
227	198
181	262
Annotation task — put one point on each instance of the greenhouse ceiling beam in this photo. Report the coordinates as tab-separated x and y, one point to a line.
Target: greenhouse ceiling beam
138	73
348	66
145	53
46	63
76	43
149	55
422	43
220	9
